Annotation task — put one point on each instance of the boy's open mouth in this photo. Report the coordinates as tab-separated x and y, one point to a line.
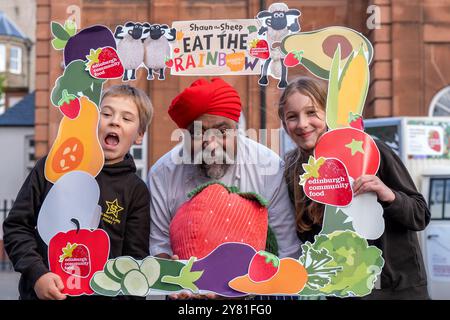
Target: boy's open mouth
112	139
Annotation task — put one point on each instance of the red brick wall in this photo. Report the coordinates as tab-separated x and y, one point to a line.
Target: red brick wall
410	63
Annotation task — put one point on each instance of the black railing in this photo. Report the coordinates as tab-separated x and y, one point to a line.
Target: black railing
5	263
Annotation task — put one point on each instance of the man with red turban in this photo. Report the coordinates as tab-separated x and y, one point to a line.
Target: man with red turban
213	149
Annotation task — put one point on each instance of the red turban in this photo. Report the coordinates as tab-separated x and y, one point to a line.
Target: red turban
202	97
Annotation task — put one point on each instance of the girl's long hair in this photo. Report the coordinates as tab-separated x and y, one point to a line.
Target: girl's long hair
307	212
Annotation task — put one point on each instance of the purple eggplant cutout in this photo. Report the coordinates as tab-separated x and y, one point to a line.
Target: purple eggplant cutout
78	46
226	262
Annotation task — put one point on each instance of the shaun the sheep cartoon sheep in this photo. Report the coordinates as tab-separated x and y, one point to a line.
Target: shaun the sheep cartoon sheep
157	49
277	22
130	46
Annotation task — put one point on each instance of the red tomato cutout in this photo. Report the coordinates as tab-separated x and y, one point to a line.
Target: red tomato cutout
355	148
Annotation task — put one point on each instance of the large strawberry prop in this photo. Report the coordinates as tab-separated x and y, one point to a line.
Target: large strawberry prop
104	63
353	147
326	181
76	255
217	214
259	48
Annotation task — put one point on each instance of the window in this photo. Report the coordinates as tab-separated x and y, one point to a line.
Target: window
2	58
139	153
440	198
29	154
2	103
15	60
440	105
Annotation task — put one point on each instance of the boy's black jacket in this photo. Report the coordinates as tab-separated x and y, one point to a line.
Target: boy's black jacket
125	203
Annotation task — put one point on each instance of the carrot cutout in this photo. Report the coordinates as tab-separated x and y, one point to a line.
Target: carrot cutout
291	276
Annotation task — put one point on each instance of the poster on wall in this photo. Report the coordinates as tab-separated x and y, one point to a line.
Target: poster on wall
438	252
428	138
220	47
425	140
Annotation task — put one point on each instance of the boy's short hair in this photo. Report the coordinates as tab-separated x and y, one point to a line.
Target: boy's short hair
140	99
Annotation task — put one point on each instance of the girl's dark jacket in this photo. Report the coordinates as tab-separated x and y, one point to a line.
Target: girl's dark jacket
128	226
403	275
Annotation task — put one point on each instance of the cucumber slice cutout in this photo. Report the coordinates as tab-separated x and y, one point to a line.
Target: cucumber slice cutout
109	271
104	285
135	284
123	265
151	269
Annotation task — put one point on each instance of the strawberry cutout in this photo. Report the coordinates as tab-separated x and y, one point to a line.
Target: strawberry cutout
263	266
293	58
326	181
356	121
69	105
76	256
104	63
259	48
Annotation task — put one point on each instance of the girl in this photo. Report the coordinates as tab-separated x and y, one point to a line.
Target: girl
302	112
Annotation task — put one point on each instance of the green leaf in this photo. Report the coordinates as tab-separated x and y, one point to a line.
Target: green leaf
66	98
252	29
333	90
335	219
59	32
59	44
344	71
71	27
186	278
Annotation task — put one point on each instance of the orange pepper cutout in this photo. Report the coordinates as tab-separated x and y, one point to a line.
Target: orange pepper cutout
290	279
76	146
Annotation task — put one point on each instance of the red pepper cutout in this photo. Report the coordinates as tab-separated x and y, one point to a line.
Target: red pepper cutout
76	255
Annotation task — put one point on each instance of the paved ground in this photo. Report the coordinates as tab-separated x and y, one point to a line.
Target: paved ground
9	281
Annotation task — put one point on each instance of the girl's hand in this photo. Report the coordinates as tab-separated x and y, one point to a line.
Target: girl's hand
370	183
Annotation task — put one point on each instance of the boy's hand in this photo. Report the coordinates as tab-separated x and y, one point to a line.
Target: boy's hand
49	287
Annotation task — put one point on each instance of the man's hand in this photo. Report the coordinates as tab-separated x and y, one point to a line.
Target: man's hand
49	287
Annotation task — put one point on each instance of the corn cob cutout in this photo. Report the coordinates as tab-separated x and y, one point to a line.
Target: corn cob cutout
347	88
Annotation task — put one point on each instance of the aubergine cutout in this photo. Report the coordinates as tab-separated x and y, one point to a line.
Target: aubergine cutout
226	262
78	46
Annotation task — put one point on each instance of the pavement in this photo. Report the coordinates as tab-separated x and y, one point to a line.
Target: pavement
9	281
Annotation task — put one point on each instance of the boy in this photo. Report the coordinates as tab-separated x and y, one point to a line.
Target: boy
125	113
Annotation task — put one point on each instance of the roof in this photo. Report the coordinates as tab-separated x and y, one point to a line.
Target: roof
21	114
8	28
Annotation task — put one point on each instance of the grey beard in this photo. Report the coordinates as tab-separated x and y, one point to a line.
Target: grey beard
214	171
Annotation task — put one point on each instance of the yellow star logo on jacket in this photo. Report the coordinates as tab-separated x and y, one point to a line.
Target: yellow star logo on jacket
111	215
